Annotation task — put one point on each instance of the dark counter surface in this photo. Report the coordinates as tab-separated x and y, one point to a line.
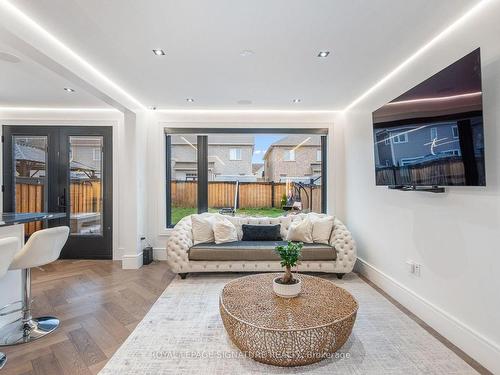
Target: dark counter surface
11	218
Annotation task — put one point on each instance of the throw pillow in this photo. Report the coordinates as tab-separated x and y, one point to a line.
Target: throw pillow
224	231
202	227
301	231
322	230
261	232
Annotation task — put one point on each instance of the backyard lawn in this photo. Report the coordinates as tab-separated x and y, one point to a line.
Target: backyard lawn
179	212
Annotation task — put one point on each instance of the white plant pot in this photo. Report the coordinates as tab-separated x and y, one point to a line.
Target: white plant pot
287	291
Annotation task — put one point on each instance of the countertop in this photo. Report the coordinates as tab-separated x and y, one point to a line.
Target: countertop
11	218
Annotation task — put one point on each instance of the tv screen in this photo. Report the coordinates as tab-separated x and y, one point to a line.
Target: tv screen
432	135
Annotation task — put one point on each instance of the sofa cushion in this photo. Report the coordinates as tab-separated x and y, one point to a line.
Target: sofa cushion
256	251
301	231
261	232
224	231
322	229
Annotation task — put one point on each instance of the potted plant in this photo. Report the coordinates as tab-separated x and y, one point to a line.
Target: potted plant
283	200
287	286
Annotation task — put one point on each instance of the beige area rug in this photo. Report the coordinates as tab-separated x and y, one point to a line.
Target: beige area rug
183	334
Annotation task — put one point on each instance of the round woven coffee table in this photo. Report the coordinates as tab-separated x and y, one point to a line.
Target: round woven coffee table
287	332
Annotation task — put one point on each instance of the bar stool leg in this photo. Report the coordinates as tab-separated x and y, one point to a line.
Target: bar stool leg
27	328
3	360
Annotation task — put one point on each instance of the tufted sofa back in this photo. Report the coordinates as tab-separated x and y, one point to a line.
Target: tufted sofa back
284	221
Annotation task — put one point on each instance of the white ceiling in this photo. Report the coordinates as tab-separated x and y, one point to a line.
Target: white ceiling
203	40
29	84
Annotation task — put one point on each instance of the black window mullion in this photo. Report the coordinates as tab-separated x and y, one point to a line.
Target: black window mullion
202	141
323	174
168	173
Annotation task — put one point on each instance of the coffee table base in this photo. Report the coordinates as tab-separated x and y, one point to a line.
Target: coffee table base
287	348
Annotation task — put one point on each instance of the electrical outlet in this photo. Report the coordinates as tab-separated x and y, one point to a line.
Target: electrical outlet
417	269
411	266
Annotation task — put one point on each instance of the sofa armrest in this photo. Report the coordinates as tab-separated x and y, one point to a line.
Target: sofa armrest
344	244
178	244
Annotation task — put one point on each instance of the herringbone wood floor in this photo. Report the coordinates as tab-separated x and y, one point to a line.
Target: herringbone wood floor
98	303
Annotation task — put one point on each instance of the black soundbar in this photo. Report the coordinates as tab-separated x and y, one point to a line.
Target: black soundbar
427	189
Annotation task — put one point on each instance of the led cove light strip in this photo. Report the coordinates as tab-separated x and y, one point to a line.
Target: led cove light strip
437	99
476	8
29	22
57	109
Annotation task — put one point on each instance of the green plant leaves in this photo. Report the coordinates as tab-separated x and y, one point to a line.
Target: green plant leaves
290	253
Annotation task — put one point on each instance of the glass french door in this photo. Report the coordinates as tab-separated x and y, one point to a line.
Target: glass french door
62	169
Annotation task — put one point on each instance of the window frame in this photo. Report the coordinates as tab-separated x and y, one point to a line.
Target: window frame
291	155
202	160
397	140
318	155
434	131
239	152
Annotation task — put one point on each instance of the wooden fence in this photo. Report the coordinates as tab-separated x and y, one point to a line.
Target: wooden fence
251	194
85	196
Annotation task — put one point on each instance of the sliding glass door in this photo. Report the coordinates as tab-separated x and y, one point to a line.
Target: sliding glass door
245	172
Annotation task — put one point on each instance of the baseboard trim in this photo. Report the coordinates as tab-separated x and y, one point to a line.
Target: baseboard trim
483	350
159	253
132	262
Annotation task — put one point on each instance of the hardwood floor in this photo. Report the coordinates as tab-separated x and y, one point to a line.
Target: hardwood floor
98	303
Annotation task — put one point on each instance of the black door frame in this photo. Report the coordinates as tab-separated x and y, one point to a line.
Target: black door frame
58	181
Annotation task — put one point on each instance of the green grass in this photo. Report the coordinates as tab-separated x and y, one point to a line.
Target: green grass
265	211
179	212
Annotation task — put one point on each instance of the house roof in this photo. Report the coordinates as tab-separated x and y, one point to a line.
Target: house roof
37	155
293	140
216	139
256	167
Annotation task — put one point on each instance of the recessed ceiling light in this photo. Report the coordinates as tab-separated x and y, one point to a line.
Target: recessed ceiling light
246	53
189	100
153	108
297	101
159	52
323	53
69	89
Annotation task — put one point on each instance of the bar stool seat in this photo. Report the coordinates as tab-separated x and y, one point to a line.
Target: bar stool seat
8	247
43	247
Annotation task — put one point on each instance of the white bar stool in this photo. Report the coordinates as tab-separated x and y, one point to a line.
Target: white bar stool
8	247
43	247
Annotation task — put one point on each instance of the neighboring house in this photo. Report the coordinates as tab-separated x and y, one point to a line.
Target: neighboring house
409	145
258	171
85	159
229	157
294	158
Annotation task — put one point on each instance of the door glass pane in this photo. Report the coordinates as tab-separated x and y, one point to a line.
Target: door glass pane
273	175
184	176
30	176
85	190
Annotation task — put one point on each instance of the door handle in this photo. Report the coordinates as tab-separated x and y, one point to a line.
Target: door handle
61	200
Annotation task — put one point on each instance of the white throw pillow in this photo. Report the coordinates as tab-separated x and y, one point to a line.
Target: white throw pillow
224	231
322	229
202	227
301	231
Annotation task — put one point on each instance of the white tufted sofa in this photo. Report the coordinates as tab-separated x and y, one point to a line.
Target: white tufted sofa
181	240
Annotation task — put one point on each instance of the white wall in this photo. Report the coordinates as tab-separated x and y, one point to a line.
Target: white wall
157	234
455	236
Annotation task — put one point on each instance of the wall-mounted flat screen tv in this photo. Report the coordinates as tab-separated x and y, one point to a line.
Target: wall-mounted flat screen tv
432	135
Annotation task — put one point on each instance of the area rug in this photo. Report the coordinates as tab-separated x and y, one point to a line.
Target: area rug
183	334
